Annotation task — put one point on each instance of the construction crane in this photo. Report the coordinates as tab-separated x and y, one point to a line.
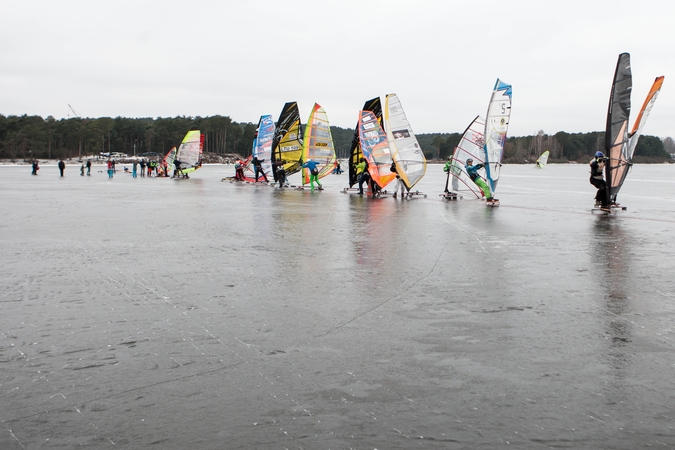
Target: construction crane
76	114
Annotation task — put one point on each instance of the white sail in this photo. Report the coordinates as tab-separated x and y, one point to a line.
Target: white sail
496	126
411	165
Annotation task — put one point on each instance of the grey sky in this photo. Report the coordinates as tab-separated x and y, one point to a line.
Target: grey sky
244	59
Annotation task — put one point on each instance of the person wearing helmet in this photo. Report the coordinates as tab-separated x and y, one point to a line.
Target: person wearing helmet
472	171
597	180
313	173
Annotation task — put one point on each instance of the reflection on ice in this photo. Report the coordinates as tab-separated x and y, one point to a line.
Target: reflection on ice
192	312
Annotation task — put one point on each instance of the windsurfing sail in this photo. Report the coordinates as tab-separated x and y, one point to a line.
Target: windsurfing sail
318	144
619	143
496	126
287	142
375	148
355	154
643	115
411	165
262	148
471	145
542	160
167	161
190	152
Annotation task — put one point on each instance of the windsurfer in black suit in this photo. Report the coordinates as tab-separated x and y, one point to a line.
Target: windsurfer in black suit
597	180
279	172
257	164
177	169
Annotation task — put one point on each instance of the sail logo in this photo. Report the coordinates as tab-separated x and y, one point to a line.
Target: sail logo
291	148
321	144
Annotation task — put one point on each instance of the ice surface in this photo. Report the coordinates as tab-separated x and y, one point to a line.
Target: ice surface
208	314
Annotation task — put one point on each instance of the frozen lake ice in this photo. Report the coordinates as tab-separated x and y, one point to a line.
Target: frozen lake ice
141	313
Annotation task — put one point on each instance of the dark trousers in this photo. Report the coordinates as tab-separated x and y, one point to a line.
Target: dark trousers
601	196
258	170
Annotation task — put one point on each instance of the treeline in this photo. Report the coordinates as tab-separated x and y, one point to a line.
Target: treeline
563	147
29	137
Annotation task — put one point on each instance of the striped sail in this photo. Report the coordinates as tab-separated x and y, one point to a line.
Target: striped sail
375	147
471	145
318	144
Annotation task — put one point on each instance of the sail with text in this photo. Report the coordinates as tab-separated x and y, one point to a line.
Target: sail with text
318	144
355	154
619	143
496	126
190	152
287	142
375	148
262	148
411	165
470	146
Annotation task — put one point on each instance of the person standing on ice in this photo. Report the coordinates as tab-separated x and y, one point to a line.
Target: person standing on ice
597	180
313	173
448	168
362	174
257	165
399	182
35	167
279	172
472	171
62	166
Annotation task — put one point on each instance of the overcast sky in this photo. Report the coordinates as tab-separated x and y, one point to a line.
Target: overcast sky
246	58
